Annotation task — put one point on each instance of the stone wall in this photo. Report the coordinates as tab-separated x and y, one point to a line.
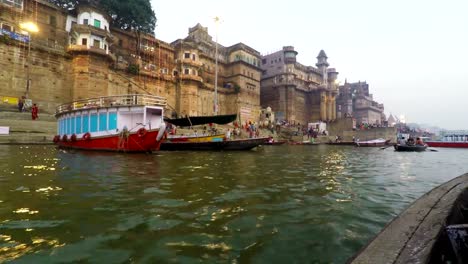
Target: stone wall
49	74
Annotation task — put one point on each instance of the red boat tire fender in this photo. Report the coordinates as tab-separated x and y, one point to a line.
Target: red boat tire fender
87	136
142	132
73	137
56	139
64	138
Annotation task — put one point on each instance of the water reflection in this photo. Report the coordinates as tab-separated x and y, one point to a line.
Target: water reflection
270	205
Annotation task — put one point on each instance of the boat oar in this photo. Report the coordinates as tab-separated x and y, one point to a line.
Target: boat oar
435	150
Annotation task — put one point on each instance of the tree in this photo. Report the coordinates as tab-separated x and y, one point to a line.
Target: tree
135	15
66	4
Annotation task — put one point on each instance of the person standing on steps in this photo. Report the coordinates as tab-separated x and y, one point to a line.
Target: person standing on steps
34	112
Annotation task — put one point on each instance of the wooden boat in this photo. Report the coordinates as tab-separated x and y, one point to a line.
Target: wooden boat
414	148
450	141
237	144
194	138
274	143
201	120
434	229
345	143
380	142
126	123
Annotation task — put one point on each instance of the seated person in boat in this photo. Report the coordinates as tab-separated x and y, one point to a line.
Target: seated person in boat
419	141
402	141
410	141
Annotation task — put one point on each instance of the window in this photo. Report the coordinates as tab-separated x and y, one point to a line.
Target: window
94	123
7	27
194	57
186	71
85	21
85	123
105	47
102	121
112	121
120	43
53	20
84	41
97	23
73	125
78	125
96	43
186	55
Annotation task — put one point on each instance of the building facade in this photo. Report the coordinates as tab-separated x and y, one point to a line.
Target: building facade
77	54
355	100
298	93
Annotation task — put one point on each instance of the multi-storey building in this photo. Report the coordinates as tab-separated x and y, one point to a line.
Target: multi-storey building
295	92
356	101
238	76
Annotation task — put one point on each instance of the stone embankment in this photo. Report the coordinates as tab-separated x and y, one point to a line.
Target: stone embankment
23	130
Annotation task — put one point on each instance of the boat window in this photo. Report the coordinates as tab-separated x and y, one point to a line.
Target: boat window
61	127
102	121
78	125
85	123
112	121
93	123
73	125
69	122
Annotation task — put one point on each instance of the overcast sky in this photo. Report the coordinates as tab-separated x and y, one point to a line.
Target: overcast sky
413	53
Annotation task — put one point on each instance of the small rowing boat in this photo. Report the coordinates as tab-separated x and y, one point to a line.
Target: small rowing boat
413	148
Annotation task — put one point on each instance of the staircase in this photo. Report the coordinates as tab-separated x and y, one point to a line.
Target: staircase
23	130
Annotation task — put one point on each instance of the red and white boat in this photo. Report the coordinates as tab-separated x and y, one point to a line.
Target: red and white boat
450	141
124	123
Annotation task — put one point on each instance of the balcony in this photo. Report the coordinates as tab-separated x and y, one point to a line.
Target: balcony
190	77
88	29
85	49
191	62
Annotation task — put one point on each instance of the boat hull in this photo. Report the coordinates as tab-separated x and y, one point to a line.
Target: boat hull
241	144
442	144
373	143
418	235
415	148
131	143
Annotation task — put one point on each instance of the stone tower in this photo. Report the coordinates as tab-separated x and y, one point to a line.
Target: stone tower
322	65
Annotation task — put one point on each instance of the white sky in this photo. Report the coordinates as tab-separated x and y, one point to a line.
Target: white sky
413	53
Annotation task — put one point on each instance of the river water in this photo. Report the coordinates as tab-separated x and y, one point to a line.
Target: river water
276	204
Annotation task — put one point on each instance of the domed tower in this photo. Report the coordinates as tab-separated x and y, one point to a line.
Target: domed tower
322	65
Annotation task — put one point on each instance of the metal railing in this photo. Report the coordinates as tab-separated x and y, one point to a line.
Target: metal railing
110	101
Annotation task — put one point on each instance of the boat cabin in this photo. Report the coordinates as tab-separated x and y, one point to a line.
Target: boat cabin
109	115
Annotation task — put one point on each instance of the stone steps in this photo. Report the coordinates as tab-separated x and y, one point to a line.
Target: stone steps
24	130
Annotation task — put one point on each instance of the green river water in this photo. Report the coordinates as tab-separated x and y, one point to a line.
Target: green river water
276	204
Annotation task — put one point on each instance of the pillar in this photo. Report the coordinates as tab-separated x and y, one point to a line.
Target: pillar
323	107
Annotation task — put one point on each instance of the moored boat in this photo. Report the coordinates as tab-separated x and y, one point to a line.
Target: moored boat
414	148
274	143
124	123
434	229
380	142
236	144
450	141
194	138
